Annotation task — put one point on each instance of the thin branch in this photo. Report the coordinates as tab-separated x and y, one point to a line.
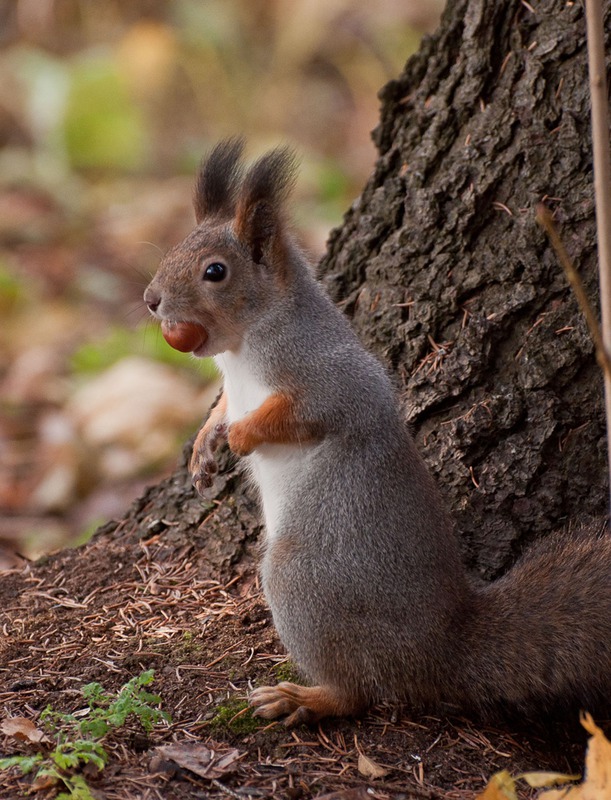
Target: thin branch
602	177
545	219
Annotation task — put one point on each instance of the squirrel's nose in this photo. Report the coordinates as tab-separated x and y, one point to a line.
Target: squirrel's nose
152	298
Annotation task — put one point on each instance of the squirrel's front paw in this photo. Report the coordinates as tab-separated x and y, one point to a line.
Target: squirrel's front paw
203	464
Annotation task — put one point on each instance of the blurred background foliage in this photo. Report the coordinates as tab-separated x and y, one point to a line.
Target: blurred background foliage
105	111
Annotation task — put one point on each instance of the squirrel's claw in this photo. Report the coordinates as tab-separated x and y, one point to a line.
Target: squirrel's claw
271	702
203	464
300	704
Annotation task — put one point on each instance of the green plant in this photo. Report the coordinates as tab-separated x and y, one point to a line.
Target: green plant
78	740
107	713
60	764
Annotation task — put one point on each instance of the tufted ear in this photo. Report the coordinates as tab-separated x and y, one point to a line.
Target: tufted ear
258	219
218	180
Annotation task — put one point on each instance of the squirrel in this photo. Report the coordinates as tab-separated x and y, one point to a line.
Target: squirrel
361	565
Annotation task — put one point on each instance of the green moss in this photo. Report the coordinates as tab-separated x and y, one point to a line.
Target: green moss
286	671
178	650
226	717
189	647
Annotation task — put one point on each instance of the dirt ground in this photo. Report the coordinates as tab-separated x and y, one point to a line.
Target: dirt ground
179	594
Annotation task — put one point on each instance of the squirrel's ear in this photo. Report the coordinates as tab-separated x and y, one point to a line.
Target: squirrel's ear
266	187
218	180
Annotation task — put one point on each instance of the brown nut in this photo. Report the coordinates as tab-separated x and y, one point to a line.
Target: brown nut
184	336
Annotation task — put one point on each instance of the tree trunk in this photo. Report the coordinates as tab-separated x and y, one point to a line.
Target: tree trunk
447	276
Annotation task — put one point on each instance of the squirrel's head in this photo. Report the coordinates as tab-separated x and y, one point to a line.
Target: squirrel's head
235	264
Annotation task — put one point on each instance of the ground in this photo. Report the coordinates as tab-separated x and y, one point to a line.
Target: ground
180	595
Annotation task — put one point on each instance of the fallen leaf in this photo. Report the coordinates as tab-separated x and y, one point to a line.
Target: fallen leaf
224	764
23	729
197	758
542	780
501	786
598	760
347	794
597	782
369	769
42	782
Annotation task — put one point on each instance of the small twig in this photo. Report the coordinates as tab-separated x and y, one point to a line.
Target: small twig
602	177
544	218
226	790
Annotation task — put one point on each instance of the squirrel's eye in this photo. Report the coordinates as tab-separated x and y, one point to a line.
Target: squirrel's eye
215	272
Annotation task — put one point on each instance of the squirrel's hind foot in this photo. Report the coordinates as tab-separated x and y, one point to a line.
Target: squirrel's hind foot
300	704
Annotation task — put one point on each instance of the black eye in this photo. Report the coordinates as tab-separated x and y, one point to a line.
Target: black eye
215	272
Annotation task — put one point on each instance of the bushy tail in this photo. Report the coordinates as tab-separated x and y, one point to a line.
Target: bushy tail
541	635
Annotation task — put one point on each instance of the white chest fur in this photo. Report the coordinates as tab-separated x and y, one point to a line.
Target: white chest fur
244	390
275	468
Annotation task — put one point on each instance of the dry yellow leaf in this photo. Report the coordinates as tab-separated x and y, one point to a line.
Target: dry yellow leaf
501	786
597	782
541	780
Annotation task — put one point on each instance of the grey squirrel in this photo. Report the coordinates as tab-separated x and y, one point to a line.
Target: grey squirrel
361	566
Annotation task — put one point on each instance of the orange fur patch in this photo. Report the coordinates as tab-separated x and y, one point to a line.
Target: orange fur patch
274	422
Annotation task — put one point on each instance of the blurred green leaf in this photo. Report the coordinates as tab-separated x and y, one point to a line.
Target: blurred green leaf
90	528
333	183
103	128
12	290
